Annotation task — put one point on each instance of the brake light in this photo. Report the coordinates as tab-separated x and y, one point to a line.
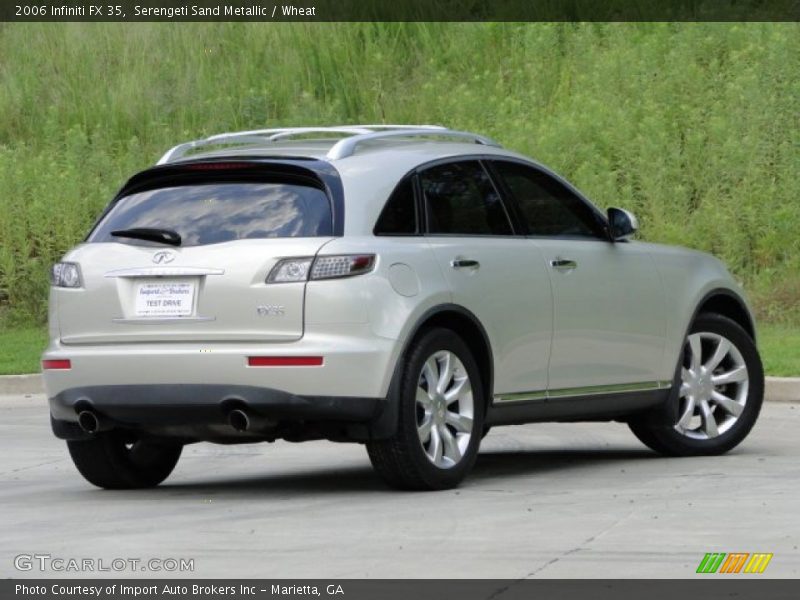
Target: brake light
331	267
53	364
284	361
217	166
305	268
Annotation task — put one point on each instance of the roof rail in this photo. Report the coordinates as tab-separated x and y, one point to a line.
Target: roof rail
347	146
352	136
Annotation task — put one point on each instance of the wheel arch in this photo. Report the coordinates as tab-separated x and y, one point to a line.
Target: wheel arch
727	303
465	324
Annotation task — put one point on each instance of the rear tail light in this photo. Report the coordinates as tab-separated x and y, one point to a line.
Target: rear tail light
65	274
60	364
305	268
290	269
284	361
331	267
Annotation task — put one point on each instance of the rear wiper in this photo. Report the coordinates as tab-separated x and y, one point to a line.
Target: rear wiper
163	236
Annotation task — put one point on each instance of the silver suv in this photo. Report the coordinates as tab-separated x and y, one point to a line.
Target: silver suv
405	287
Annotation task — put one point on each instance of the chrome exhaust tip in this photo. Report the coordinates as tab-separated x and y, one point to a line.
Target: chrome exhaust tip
88	421
239	420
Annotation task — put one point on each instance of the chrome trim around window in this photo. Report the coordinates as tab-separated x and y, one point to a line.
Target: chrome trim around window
544	395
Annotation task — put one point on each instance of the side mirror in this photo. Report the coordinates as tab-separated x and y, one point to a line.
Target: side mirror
622	224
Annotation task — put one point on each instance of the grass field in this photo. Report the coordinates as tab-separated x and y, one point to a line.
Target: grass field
780	350
693	126
21	348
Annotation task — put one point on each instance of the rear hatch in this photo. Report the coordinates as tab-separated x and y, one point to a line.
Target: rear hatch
226	228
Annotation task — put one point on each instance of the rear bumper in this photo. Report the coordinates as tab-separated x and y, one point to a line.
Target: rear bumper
195	412
187	390
356	363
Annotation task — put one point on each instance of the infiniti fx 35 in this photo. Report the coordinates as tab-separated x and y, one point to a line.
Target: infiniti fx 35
403	287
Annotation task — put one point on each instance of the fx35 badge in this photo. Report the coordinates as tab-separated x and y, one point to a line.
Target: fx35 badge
270	310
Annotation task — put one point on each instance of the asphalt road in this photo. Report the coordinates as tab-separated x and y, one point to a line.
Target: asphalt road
549	500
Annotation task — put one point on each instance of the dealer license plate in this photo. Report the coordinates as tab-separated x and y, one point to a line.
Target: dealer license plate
164	299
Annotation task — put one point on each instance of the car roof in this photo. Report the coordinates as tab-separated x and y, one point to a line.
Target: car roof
369	169
402	154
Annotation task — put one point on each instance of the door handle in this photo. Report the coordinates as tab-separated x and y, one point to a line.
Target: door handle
464	263
563	264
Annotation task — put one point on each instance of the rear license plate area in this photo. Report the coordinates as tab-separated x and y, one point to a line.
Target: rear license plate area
168	298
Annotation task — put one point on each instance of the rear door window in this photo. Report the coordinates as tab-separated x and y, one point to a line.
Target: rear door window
211	213
461	200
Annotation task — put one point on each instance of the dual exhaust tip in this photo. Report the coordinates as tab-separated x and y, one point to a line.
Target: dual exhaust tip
90	422
242	420
239	420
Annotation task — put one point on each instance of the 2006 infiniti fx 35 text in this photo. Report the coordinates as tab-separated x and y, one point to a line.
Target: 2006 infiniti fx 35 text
406	287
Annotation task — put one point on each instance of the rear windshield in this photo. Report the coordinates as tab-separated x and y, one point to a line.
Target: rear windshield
210	213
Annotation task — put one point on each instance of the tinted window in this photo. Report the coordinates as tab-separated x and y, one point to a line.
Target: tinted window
399	216
221	212
461	199
548	207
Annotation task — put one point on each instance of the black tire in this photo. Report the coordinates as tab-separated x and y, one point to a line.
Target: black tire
116	461
656	428
401	460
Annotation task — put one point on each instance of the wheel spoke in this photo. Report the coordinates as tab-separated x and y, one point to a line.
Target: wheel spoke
695	352
720	353
461	386
709	422
445	373
424	429
736	375
459	422
423	398
435	449
430	371
727	404
451	449
688	413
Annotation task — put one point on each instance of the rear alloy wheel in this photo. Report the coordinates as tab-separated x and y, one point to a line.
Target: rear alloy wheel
716	397
445	409
118	461
441	409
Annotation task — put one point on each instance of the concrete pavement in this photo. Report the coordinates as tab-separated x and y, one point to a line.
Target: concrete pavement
547	500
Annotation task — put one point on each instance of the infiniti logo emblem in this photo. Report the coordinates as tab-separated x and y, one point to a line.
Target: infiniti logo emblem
163	257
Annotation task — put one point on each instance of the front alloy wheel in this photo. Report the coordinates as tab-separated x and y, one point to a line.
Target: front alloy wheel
716	396
440	407
714	386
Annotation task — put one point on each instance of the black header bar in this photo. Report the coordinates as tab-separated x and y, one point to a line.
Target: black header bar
401	10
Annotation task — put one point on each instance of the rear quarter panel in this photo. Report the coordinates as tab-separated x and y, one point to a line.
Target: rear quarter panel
404	285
